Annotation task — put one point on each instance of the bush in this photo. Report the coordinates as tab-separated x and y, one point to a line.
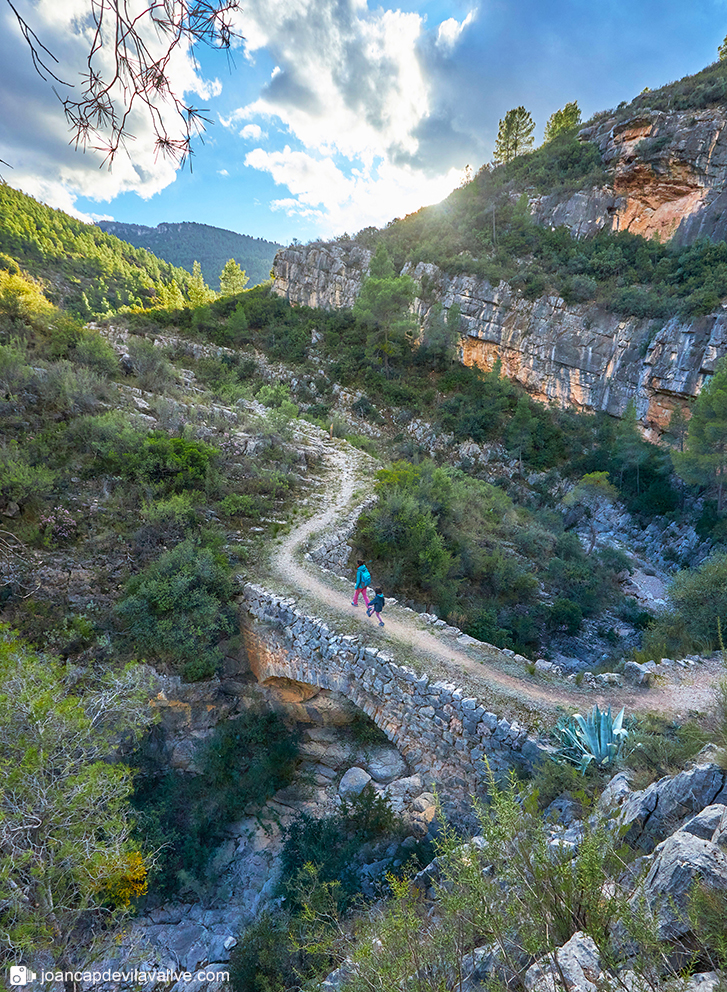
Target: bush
183	816
699	596
151	368
173	463
330	844
95	352
565	615
21	482
178	608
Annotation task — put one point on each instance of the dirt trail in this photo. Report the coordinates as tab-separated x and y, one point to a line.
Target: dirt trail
483	670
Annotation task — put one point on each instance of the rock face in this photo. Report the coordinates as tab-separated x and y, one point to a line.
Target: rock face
667	176
575	355
651	814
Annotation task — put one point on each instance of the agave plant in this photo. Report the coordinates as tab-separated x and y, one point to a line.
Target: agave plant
596	738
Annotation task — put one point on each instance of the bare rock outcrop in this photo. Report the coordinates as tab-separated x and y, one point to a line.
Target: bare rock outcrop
575	355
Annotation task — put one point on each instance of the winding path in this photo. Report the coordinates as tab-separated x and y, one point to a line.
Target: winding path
487	673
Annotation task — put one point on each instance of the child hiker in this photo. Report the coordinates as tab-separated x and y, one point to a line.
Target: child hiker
376	606
363	577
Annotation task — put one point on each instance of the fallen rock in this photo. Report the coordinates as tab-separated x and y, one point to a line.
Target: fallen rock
679	863
576	963
636	674
385	765
353	782
652	814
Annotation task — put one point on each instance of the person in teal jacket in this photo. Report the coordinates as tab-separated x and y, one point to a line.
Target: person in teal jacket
376	606
363	577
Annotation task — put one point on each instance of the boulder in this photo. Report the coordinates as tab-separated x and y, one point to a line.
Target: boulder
711	821
678	864
385	764
353	782
636	674
577	963
652	814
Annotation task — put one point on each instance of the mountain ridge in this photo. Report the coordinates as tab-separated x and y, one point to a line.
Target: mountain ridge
183	242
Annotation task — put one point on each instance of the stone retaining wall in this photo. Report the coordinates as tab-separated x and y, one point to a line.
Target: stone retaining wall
334	552
444	734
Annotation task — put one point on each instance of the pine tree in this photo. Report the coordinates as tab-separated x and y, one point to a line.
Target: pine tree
232	279
722	51
520	431
562	121
704	462
199	293
677	428
514	135
383	307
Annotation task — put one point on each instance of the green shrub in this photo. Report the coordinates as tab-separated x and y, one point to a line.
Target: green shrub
179	508
174	463
182	816
179	607
236	505
565	615
151	368
657	746
699	596
95	352
330	844
266	958
20	481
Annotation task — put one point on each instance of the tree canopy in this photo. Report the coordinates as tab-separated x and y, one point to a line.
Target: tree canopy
704	460
67	860
383	305
562	121
514	135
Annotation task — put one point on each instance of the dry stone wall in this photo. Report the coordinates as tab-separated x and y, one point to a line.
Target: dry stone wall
445	735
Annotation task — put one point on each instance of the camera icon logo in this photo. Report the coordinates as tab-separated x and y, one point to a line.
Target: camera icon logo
20	975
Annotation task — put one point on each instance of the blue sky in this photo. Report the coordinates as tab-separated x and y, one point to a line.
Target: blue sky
337	113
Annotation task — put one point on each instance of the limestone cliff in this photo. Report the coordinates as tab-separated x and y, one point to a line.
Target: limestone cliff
579	355
667	177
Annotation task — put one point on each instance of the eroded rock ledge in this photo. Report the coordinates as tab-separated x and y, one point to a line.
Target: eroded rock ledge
574	355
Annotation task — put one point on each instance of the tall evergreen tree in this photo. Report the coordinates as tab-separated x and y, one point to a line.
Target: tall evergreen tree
233	279
562	121
199	292
383	307
514	135
704	462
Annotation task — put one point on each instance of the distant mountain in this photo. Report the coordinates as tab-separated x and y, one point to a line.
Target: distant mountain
184	243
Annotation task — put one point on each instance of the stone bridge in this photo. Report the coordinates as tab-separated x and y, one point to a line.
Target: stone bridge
444	735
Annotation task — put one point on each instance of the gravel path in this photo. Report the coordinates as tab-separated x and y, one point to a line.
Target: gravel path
486	672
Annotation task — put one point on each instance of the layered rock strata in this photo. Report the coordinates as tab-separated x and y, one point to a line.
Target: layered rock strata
573	355
666	177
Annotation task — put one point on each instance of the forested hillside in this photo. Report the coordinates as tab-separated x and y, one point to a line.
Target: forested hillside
184	243
81	267
632	160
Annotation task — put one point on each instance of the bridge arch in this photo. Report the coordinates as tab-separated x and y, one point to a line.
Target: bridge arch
445	735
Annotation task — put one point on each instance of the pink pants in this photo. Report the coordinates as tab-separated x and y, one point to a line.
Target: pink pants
362	590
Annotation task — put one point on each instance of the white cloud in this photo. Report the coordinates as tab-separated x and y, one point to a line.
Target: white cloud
339	202
251	132
450	31
34	135
222	172
349	84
